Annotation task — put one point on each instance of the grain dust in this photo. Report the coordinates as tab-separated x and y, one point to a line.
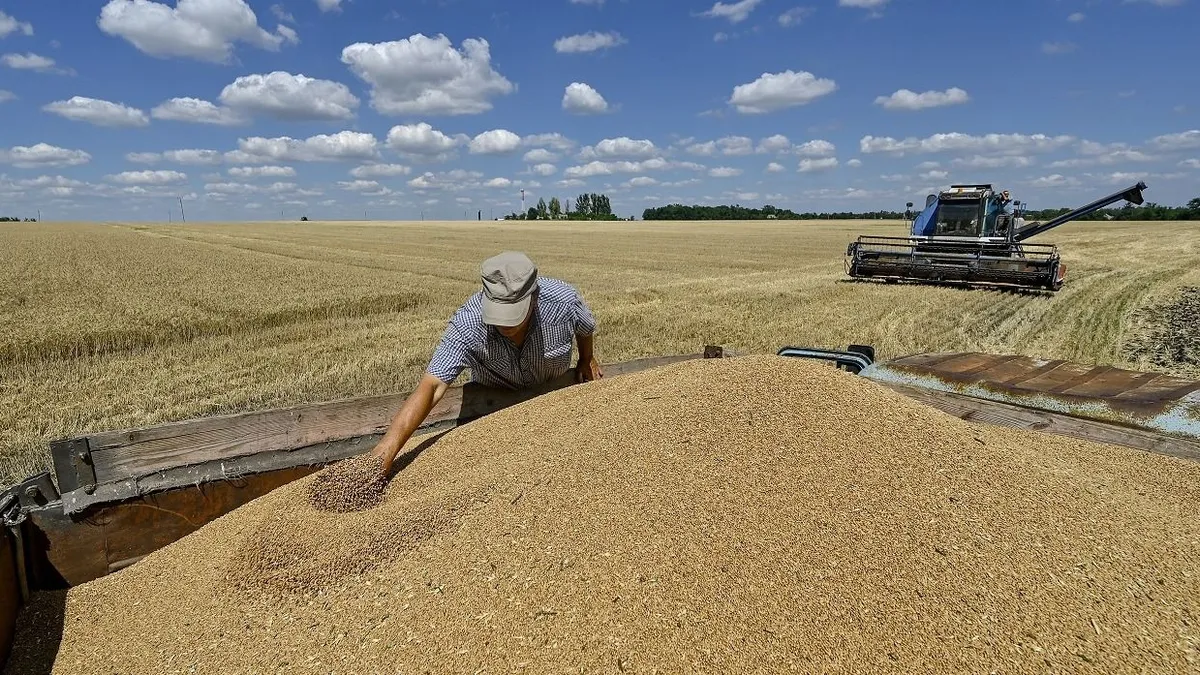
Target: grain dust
754	514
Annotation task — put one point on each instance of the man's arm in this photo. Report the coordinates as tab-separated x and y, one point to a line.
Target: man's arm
448	361
588	368
416	408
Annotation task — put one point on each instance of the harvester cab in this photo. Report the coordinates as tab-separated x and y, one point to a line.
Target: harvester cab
972	234
971	211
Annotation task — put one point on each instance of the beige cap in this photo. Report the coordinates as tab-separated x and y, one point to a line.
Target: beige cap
509	280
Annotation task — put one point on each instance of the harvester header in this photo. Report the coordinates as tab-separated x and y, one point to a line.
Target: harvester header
973	234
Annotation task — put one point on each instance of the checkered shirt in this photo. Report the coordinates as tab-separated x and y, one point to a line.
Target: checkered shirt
494	361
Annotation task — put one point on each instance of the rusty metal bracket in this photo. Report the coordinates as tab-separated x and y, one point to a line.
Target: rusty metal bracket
37	491
73	466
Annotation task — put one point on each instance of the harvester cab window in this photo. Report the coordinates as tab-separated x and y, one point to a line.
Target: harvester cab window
959	220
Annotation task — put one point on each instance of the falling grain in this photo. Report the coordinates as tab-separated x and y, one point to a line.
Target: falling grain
353	484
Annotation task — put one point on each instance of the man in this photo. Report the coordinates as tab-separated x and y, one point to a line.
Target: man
515	333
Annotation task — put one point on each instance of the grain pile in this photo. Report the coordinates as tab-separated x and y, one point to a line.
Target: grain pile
755	514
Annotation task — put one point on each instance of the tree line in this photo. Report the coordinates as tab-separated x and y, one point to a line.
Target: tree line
1148	211
767	212
10	219
588	206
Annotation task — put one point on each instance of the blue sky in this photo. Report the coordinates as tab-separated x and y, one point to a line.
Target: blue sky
260	109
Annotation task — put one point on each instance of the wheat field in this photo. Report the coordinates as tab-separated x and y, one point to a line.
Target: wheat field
120	325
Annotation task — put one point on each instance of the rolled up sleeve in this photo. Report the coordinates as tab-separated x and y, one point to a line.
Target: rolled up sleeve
450	357
585	323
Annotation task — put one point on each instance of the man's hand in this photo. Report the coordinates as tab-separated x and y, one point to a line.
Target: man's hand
386	456
586	371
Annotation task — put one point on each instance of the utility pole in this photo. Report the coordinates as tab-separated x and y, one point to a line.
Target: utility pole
181	210
39	215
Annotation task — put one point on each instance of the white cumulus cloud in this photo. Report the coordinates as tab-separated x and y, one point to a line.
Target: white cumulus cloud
776	91
582	99
380	170
1185	140
724	172
553	140
994	144
422	140
539	155
267	171
810	165
196	111
494	142
795	16
817	148
775	167
205	30
34	62
424	75
905	99
148	177
42	155
285	96
622	146
735	12
588	42
98	112
342	146
543	169
9	25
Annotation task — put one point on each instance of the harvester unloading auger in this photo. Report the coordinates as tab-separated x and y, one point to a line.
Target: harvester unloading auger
970	234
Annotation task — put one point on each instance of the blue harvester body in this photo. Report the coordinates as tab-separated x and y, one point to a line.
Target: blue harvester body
972	234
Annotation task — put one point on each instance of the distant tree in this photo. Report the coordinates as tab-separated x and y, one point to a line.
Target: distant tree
304	218
532	214
555	208
583	205
542	211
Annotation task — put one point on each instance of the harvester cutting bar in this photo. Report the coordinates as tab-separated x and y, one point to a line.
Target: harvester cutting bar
1024	265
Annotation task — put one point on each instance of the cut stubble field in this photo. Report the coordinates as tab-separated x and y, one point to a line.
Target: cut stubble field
119	325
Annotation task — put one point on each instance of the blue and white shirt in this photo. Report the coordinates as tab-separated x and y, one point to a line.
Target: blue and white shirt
545	354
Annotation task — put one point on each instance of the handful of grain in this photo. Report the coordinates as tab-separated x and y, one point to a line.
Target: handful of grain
354	484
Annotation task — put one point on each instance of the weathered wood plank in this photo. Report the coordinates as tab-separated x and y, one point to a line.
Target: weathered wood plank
1003	414
10	595
118	455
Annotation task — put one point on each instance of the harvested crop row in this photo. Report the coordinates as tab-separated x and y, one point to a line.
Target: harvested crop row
752	514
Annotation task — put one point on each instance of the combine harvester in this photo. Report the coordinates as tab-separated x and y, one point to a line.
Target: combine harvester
970	234
116	496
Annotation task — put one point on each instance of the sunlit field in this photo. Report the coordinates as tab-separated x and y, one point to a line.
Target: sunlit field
120	325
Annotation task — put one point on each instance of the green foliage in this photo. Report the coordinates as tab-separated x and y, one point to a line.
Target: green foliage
767	212
1147	211
10	219
590	206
